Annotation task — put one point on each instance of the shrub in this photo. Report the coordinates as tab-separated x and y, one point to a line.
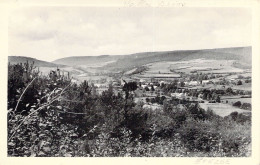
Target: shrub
246	106
239	82
235	138
237	104
199	136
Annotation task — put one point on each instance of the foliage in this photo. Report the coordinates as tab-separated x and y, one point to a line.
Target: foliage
237	104
56	117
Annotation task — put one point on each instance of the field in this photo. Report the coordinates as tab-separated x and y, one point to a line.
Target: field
205	66
170	69
156	70
162	67
71	70
233	99
222	109
244	86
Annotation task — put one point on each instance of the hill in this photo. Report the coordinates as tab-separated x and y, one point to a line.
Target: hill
86	60
241	54
38	63
126	62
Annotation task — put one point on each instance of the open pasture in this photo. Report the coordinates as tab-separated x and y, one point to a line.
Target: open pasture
244	86
162	67
233	100
205	66
222	109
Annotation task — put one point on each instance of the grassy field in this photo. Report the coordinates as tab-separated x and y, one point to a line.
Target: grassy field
222	109
206	66
162	67
71	70
234	99
244	86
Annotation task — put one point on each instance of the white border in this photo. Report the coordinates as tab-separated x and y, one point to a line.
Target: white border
7	6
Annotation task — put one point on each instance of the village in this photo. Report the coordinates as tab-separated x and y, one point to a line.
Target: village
222	93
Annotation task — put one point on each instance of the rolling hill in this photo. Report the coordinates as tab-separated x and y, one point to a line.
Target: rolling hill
38	63
125	62
241	54
86	60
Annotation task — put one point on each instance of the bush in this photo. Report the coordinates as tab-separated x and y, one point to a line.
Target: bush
235	139
239	117
199	136
239	82
237	104
246	106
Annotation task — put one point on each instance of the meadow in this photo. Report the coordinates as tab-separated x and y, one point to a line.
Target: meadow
222	109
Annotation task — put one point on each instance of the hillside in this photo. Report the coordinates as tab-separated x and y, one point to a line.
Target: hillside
38	63
125	62
241	54
86	60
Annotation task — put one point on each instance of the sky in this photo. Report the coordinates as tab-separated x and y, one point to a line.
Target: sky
50	33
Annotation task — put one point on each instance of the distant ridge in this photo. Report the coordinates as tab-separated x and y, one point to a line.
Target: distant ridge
241	54
124	62
38	63
85	60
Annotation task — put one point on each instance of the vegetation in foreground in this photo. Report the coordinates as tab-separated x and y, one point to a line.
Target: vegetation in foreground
51	116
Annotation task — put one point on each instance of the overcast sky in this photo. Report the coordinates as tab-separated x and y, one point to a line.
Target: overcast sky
49	33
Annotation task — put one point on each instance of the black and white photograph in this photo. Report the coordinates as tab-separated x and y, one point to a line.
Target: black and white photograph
129	81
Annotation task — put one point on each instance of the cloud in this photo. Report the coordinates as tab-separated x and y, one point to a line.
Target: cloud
48	33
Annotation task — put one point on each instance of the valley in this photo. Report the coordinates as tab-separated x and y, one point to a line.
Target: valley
198	70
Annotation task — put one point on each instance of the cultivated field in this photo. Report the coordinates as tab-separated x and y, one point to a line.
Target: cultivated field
205	66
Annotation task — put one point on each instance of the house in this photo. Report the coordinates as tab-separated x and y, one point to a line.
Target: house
162	82
193	83
204	82
143	86
200	95
179	95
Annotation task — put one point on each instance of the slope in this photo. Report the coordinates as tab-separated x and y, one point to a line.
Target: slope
38	63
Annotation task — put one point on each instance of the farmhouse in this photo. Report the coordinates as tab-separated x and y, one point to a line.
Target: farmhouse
204	82
179	95
193	83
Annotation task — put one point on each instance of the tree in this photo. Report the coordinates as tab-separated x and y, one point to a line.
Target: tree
246	106
218	99
239	82
182	84
128	87
229	90
152	88
237	104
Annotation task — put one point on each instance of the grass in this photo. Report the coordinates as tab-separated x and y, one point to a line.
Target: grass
222	109
206	66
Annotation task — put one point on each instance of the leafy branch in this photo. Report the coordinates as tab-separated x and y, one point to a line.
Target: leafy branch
38	109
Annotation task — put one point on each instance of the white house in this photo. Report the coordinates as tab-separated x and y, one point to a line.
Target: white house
193	83
162	82
204	82
179	95
143	86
